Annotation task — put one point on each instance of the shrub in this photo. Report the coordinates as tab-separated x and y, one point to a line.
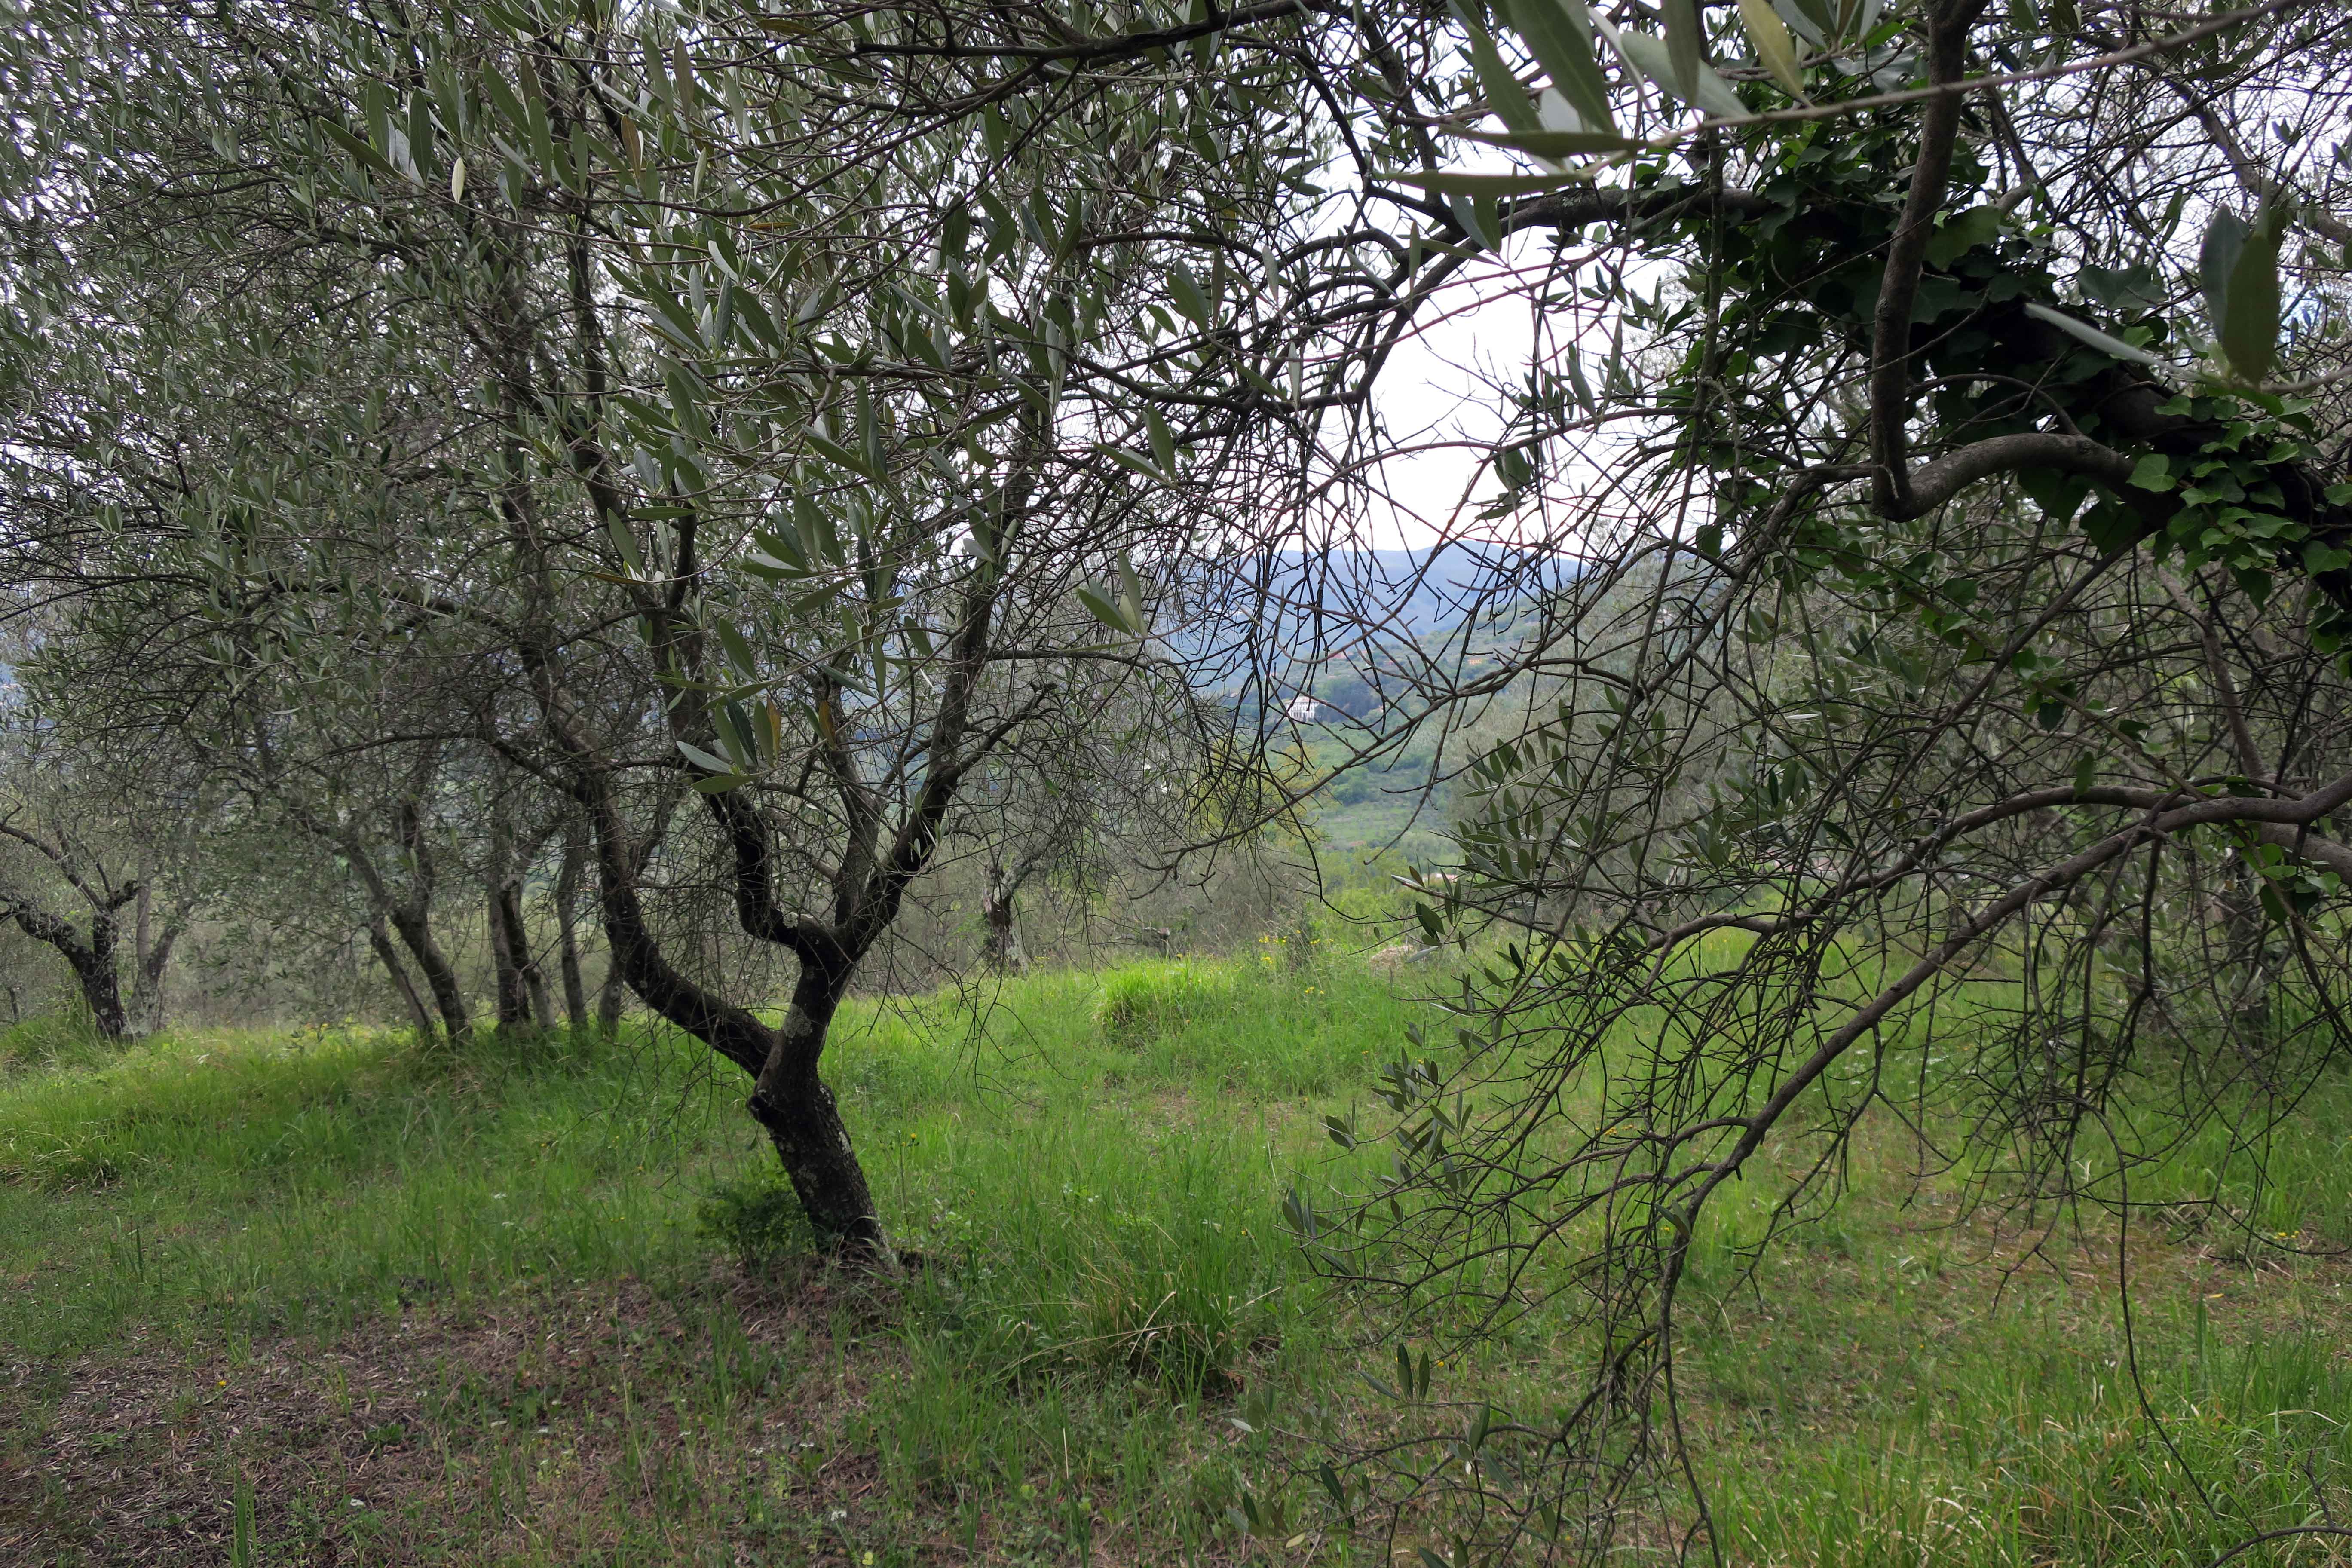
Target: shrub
760	1221
52	1041
80	1160
1155	998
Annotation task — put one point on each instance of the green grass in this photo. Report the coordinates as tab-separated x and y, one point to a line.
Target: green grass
263	1293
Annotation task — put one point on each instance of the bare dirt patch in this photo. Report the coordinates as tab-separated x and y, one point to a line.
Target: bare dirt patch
550	1422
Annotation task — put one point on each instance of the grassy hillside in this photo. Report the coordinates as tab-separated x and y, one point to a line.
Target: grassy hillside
279	1299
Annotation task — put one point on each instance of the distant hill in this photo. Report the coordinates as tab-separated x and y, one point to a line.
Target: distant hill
1413	591
1329	619
1326	617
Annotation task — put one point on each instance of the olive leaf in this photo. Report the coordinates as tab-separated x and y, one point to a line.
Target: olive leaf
1685	49
1773	45
1505	95
1559	34
1446	182
1553	144
2113	347
1711	95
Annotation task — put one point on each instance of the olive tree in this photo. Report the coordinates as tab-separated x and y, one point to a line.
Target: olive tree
723	425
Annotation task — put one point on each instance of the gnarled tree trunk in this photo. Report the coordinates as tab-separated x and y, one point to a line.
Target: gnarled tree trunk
803	1120
90	957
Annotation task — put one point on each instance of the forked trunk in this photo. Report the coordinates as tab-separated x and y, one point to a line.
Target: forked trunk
1005	949
419	1015
508	956
101	989
440	977
92	961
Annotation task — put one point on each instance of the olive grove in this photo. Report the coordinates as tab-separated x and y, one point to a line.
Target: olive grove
1902	447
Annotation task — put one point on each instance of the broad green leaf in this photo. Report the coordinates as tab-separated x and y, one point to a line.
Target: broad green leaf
1576	380
2250	332
1163	439
1130	600
1480	217
364	156
2113	347
1773	45
869	434
736	734
674	319
838	454
1135	462
755	315
503	100
2225	238
1961	233
737	649
534	111
1559	34
686	404
625	542
774	568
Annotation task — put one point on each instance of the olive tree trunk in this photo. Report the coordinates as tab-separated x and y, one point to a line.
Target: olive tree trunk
92	959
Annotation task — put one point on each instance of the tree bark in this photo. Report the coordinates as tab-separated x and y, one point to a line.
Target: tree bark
91	960
419	1014
409	912
611	998
522	990
150	958
509	943
1005	951
567	921
803	1120
440	975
